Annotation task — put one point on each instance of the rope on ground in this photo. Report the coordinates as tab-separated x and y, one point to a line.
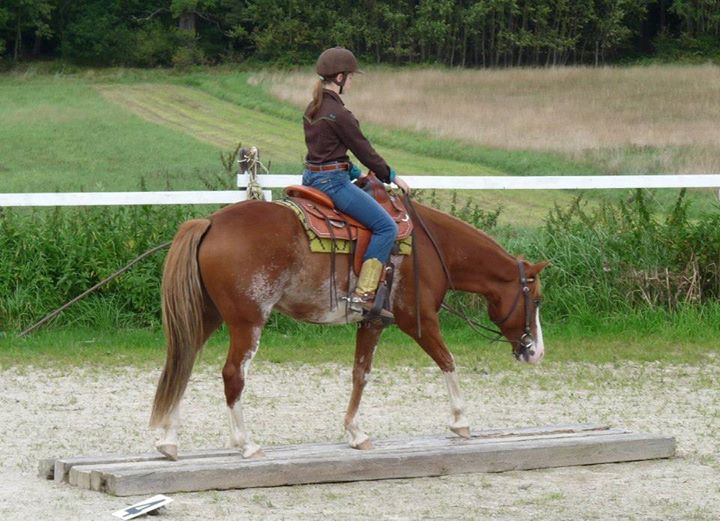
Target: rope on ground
97	286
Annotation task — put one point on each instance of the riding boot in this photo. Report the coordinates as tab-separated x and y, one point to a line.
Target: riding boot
363	298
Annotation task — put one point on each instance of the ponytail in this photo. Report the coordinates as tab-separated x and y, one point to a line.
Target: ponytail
317	99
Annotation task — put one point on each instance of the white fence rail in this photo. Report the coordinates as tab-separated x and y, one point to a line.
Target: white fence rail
526	183
422	182
123	198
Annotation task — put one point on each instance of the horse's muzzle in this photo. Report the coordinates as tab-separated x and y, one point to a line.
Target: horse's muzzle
529	351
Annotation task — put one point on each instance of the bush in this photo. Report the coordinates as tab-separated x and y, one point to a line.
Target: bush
613	258
607	259
51	256
154	45
687	49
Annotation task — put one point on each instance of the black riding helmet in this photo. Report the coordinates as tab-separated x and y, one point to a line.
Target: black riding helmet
334	61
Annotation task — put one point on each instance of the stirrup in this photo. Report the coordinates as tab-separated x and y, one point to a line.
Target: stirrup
370	306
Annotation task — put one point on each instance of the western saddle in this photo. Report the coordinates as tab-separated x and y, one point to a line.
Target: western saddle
328	222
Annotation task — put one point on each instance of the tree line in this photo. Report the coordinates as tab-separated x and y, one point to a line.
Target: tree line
480	33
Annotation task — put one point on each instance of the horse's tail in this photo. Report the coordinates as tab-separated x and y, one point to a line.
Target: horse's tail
182	313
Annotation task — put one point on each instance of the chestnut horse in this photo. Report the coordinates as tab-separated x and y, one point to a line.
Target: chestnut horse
252	257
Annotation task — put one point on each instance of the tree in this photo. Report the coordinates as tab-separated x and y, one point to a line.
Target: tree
432	28
610	24
699	17
23	15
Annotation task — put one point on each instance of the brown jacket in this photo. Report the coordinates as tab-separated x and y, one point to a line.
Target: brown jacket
333	130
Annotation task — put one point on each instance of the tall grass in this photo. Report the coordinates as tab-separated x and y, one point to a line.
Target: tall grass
647	119
51	256
609	260
616	259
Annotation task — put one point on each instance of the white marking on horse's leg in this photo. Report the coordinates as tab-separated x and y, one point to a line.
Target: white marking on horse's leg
247	361
167	441
239	435
460	424
356	436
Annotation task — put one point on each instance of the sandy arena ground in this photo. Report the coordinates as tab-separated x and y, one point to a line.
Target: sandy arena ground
90	411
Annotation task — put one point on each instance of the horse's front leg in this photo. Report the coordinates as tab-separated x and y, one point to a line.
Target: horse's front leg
244	343
432	343
366	342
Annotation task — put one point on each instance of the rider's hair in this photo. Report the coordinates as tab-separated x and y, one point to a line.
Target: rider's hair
317	94
317	97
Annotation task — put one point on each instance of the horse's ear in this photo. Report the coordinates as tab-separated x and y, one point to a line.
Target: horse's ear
537	268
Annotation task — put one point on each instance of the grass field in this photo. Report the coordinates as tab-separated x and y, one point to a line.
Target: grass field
60	134
119	130
654	119
122	129
687	337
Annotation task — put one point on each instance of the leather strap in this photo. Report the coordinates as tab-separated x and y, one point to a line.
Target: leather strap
328	167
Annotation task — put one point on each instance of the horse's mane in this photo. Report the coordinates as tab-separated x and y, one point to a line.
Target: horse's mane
443	219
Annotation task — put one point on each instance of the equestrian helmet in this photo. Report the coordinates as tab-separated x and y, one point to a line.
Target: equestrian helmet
336	60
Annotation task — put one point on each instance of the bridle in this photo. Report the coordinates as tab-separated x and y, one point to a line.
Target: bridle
526	341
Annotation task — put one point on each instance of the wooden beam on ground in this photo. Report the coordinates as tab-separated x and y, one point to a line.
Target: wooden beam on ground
495	450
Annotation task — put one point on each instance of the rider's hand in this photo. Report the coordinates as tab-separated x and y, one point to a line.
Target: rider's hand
402	185
355	172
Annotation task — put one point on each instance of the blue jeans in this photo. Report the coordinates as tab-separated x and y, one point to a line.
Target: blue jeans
359	205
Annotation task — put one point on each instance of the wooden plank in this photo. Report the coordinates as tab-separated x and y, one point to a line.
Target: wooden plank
350	465
90	476
63	466
494	450
371	465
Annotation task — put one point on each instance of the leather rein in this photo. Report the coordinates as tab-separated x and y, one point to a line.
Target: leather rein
525	342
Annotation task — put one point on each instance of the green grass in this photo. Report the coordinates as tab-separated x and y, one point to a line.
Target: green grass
463	159
63	134
60	134
168	130
688	337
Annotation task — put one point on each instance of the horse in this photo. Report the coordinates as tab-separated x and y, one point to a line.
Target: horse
253	257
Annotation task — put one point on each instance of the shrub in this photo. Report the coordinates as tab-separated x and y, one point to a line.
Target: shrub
607	259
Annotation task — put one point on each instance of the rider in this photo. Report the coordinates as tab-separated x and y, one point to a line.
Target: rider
330	130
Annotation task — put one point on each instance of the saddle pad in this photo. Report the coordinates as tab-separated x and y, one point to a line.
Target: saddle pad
330	223
342	244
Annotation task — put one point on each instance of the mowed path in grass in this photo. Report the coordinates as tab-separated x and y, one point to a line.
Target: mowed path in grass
281	142
224	124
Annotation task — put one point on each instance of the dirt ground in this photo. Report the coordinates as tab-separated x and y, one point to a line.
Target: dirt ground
87	411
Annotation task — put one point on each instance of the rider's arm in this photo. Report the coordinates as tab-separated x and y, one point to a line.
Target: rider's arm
348	129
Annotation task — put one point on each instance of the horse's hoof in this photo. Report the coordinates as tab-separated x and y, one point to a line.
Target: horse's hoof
463	432
168	450
364	445
254	452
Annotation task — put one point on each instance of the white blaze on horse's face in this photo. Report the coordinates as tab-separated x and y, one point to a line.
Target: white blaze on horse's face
535	353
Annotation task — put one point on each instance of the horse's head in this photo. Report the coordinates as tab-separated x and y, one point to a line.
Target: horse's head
515	309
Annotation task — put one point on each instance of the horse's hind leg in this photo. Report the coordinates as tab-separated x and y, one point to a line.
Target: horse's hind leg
244	343
167	442
366	342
